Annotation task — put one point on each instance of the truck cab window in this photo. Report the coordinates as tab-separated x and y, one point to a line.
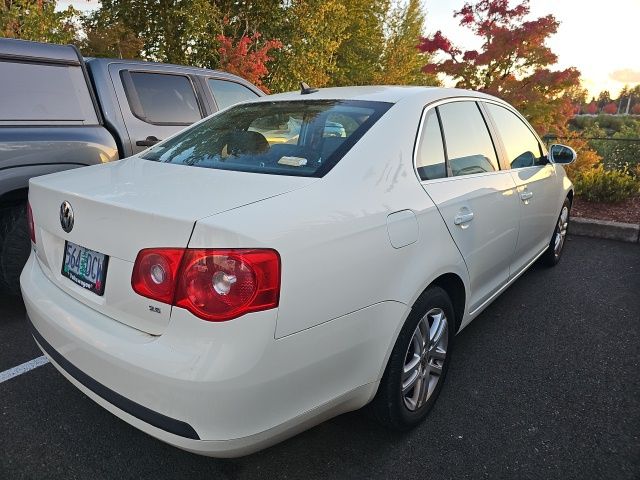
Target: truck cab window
229	93
160	98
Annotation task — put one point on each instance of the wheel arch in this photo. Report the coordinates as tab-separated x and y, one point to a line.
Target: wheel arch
15	196
453	285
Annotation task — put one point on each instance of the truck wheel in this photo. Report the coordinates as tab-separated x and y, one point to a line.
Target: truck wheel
15	247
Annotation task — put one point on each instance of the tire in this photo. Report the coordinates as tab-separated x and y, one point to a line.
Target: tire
553	253
15	247
401	408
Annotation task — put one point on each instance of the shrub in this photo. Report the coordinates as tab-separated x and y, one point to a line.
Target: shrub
600	185
587	157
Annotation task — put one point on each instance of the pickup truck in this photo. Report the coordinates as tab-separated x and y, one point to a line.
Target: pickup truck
59	110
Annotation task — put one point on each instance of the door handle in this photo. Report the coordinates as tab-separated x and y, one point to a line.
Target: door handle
463	218
526	195
148	142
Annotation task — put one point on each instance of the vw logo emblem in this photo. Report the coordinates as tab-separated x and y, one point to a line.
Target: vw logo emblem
66	216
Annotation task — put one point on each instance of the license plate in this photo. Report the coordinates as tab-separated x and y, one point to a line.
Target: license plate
85	267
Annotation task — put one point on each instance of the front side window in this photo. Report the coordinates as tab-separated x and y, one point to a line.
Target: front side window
430	161
521	146
229	93
160	98
33	92
469	146
303	138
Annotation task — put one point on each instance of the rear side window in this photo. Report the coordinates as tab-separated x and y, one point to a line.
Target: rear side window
160	98
33	92
430	158
521	146
229	93
301	138
469	146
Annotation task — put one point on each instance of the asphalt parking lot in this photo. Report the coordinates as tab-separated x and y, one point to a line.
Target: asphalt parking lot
544	384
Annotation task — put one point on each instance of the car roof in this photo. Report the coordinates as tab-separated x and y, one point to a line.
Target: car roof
25	49
142	63
380	93
186	68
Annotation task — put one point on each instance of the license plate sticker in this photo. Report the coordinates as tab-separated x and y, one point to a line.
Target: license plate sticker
85	267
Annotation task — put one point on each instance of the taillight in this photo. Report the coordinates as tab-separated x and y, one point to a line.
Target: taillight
32	227
213	284
155	273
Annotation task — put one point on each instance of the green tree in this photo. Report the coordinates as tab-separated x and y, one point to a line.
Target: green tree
116	41
604	98
37	20
311	33
358	57
184	32
401	61
175	32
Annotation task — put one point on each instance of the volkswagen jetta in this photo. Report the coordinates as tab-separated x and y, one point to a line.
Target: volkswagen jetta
289	259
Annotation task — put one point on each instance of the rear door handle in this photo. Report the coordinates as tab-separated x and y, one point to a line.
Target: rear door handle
463	218
148	142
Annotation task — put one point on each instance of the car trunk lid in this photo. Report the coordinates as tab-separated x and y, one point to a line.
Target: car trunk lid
123	207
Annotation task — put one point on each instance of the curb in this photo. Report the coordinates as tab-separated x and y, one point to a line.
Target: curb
587	227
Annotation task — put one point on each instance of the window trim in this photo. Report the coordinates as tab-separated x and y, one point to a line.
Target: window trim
206	79
447	170
434	105
131	94
503	151
490	127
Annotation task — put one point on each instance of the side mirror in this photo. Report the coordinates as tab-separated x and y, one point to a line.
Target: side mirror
561	154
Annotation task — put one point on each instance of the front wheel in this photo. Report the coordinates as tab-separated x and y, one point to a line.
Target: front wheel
552	255
418	363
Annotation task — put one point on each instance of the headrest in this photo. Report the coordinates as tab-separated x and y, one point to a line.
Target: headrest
241	142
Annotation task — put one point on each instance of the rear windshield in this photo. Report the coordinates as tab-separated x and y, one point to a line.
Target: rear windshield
302	138
31	92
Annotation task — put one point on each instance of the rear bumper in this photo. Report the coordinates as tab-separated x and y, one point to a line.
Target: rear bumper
141	412
221	389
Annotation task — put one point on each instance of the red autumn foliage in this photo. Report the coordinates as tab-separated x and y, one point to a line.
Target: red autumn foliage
245	59
610	108
591	108
636	109
513	62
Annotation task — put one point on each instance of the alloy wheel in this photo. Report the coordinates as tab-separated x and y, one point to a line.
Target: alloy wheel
424	360
561	231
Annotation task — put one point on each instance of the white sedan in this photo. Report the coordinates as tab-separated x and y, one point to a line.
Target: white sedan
289	259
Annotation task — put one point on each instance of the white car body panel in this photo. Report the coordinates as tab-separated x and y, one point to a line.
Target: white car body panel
487	242
197	366
131	196
538	212
357	247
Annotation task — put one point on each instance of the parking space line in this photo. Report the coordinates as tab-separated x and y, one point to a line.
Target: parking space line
24	368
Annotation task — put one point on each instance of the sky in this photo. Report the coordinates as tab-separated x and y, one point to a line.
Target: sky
598	38
595	37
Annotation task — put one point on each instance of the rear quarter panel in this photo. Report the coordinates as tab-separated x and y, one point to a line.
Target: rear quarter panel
332	236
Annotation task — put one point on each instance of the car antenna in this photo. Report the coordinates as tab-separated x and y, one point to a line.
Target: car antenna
306	89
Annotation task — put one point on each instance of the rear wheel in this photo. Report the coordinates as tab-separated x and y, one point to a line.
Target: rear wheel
418	364
15	247
553	253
